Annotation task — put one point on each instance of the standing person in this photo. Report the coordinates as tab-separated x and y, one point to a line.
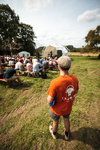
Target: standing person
50	54
64	88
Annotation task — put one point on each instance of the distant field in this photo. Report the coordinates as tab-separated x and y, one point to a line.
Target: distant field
83	54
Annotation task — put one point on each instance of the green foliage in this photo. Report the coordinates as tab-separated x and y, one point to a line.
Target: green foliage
26	37
72	48
93	41
39	50
8	27
8	22
14	36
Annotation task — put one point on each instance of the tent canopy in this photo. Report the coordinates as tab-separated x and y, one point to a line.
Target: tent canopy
54	50
24	54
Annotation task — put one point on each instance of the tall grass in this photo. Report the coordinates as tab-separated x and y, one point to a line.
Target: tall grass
24	112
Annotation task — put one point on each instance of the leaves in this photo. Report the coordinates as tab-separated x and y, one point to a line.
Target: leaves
93	37
93	41
13	34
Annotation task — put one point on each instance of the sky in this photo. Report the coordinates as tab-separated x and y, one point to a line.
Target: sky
58	22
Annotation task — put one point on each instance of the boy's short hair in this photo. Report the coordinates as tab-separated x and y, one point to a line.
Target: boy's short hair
64	62
64	69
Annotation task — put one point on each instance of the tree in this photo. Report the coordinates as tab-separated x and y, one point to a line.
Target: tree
39	50
93	40
14	36
72	48
26	37
9	23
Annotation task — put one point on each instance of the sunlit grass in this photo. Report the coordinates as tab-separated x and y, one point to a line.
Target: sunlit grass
24	111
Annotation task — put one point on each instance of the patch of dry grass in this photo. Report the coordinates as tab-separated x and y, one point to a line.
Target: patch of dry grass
83	54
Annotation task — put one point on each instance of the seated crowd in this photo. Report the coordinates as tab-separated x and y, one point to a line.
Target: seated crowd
35	65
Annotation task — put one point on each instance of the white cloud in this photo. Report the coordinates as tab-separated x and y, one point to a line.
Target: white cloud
35	5
89	16
62	37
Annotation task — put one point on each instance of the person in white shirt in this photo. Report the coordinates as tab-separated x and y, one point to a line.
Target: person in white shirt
17	65
36	67
11	62
34	60
29	66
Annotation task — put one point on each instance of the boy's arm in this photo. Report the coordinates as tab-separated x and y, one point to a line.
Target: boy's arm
50	99
76	91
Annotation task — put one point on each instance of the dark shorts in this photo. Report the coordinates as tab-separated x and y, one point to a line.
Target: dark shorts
56	117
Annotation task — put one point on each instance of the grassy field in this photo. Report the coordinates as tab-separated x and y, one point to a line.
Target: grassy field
24	112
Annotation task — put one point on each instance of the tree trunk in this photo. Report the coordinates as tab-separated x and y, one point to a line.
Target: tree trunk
11	50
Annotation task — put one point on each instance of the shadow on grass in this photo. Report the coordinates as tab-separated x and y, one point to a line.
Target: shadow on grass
19	86
49	78
87	135
0	99
87	58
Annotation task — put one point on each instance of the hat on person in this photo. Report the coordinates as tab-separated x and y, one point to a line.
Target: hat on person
64	62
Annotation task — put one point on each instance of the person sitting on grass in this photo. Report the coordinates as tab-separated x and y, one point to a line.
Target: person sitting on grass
17	65
21	66
45	64
51	64
29	66
10	75
64	88
1	71
37	68
11	62
55	65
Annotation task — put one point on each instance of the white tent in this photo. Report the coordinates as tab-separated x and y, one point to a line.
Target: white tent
24	54
54	50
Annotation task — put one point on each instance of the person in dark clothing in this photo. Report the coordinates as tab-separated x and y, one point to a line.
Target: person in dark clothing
1	71
50	54
10	75
45	64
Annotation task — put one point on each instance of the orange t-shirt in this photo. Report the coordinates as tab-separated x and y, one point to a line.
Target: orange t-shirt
64	87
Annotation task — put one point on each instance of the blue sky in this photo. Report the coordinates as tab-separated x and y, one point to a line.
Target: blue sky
58	22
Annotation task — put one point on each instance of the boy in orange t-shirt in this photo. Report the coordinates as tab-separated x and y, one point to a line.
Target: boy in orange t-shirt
64	88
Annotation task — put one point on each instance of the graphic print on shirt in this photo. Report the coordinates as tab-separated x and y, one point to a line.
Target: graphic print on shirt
70	92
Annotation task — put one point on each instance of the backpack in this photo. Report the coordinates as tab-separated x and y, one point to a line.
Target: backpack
44	75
